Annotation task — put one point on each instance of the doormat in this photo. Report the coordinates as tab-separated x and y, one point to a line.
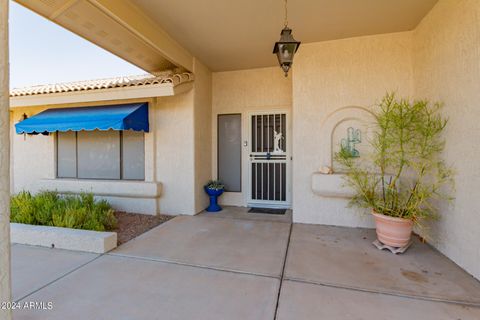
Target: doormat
267	210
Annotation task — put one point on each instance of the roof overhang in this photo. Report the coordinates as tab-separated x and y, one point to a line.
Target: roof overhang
119	27
134	92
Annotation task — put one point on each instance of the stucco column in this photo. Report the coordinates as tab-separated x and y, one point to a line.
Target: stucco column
5	280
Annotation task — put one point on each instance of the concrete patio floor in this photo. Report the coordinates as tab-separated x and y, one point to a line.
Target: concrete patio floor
228	266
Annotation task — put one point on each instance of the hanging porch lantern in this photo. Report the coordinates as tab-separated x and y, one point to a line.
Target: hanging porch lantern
286	47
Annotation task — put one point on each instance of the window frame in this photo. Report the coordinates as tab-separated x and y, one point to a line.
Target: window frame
100	179
241	149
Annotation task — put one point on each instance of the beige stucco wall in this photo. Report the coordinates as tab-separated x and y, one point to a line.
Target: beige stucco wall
33	155
328	76
183	146
202	128
175	153
168	155
447	69
254	90
5	278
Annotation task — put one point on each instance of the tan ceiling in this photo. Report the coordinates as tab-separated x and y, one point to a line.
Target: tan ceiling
231	35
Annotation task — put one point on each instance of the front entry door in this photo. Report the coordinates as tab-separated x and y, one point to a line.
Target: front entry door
269	160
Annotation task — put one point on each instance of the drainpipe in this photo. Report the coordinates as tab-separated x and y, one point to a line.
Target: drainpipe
5	280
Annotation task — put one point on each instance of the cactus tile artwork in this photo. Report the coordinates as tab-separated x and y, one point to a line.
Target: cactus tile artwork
354	137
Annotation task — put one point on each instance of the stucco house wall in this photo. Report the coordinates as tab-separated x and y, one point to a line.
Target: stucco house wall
32	156
202	132
242	92
5	156
169	160
447	68
173	118
328	77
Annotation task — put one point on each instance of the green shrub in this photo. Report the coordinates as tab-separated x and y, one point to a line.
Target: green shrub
22	208
44	203
51	209
104	213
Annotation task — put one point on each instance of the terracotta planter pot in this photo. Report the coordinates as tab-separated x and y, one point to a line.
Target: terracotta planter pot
395	232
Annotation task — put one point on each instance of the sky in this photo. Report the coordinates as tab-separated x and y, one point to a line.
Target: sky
42	52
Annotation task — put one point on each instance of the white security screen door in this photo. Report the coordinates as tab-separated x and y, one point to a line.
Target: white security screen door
269	160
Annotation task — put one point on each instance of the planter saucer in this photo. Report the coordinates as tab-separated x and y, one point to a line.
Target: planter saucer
394	250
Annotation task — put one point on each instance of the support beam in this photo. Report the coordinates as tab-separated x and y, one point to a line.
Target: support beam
119	27
5	280
140	24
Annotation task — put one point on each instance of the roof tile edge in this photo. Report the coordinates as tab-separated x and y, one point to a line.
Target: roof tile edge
102	84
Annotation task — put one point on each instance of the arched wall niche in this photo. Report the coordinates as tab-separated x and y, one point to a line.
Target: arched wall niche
351	125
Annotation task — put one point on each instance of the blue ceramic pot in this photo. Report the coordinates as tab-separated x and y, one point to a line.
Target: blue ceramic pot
213	194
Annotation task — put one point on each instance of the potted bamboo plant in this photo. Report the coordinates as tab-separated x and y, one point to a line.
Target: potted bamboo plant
404	176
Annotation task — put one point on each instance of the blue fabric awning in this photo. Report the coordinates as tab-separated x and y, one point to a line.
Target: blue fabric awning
116	117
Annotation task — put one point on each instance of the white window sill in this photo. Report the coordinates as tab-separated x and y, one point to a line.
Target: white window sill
113	188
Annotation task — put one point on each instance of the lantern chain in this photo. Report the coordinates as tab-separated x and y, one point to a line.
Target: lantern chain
286	14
